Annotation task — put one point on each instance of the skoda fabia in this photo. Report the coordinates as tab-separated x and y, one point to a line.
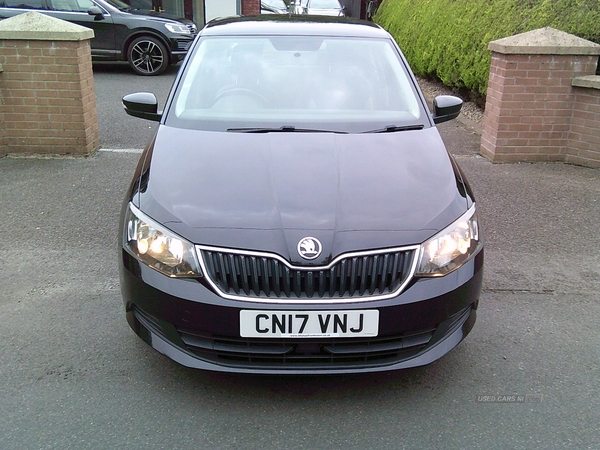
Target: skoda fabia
296	211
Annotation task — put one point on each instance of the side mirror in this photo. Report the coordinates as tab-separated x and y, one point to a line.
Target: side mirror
143	105
96	12
446	107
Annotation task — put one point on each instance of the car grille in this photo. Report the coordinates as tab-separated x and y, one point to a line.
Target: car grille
248	275
306	353
317	353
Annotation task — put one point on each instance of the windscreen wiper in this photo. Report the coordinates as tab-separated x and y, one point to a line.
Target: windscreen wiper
283	129
394	128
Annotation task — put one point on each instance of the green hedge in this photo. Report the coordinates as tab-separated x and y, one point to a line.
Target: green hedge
448	39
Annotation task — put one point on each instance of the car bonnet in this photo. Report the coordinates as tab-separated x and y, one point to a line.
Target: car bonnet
267	191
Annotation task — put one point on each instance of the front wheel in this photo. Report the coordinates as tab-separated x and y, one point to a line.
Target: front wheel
147	56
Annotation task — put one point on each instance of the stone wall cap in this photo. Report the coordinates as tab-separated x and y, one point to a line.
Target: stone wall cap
589	81
544	41
34	26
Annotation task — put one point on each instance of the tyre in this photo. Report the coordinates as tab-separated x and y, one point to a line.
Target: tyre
147	55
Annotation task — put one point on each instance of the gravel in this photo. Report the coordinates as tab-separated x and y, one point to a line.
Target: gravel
469	110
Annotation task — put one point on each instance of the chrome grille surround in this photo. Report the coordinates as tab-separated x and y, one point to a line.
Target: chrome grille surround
268	278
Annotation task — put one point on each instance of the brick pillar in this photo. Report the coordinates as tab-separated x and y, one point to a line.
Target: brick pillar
530	96
250	7
584	137
48	100
3	151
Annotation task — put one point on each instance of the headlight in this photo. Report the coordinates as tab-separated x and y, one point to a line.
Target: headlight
158	247
178	29
450	248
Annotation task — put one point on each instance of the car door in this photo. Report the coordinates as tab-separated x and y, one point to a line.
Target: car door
76	11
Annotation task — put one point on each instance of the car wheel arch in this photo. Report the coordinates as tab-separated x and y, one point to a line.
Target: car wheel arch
142	32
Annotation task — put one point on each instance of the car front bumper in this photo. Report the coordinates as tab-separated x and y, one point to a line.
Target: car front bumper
180	46
189	323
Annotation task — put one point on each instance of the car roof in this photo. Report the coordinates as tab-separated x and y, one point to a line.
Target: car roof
293	25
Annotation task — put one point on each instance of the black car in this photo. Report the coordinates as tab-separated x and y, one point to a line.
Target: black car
310	227
149	41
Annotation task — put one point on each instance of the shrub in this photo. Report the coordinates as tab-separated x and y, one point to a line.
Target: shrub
448	39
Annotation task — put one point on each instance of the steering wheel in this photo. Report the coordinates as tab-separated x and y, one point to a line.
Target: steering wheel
241	92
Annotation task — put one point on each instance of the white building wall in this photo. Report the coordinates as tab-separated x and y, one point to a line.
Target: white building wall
214	9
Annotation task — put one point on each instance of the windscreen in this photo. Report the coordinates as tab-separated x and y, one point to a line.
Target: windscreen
324	83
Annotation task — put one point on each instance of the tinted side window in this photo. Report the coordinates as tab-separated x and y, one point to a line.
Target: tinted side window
71	5
25	4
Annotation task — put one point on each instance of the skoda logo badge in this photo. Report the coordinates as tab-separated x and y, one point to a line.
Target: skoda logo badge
309	248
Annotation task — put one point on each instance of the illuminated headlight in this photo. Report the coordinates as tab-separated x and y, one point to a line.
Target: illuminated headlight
178	29
450	248
157	247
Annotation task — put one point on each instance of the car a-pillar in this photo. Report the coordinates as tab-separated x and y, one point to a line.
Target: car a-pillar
47	87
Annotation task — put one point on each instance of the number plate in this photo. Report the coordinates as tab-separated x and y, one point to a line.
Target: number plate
309	324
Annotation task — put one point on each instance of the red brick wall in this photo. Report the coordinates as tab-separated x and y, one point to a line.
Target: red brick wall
250	7
48	101
529	106
584	136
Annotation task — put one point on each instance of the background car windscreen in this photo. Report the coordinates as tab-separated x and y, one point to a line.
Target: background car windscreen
346	85
324	4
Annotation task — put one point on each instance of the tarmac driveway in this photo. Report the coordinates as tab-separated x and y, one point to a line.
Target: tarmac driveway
75	376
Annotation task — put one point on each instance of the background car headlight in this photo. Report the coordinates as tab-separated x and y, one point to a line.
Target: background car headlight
157	247
179	29
450	248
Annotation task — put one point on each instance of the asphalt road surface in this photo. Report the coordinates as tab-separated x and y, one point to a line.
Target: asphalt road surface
74	376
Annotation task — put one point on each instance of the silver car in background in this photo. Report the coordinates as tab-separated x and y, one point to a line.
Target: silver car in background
273	7
324	8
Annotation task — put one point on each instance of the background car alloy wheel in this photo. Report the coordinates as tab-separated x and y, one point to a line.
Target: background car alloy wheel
147	56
